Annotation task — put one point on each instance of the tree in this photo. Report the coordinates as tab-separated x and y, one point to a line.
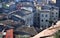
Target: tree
57	35
50	21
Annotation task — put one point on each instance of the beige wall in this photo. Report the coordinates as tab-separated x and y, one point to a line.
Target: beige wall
54	1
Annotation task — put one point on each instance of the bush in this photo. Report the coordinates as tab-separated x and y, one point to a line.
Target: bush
57	35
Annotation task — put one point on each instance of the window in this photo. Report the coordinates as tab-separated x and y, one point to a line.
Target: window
42	20
56	12
42	15
46	20
46	15
52	13
56	16
54	19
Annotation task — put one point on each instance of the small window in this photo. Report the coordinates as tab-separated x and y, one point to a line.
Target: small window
56	16
54	19
42	20
52	13
46	20
46	15
42	15
56	12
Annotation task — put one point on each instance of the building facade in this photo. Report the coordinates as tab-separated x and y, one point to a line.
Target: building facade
55	14
44	18
36	21
49	15
58	4
23	16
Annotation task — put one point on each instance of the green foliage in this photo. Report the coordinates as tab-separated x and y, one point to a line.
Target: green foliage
0	0
23	36
50	21
1	35
57	35
5	6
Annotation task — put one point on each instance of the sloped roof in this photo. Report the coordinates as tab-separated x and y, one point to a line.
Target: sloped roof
22	12
19	13
11	22
21	33
2	16
30	30
26	3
